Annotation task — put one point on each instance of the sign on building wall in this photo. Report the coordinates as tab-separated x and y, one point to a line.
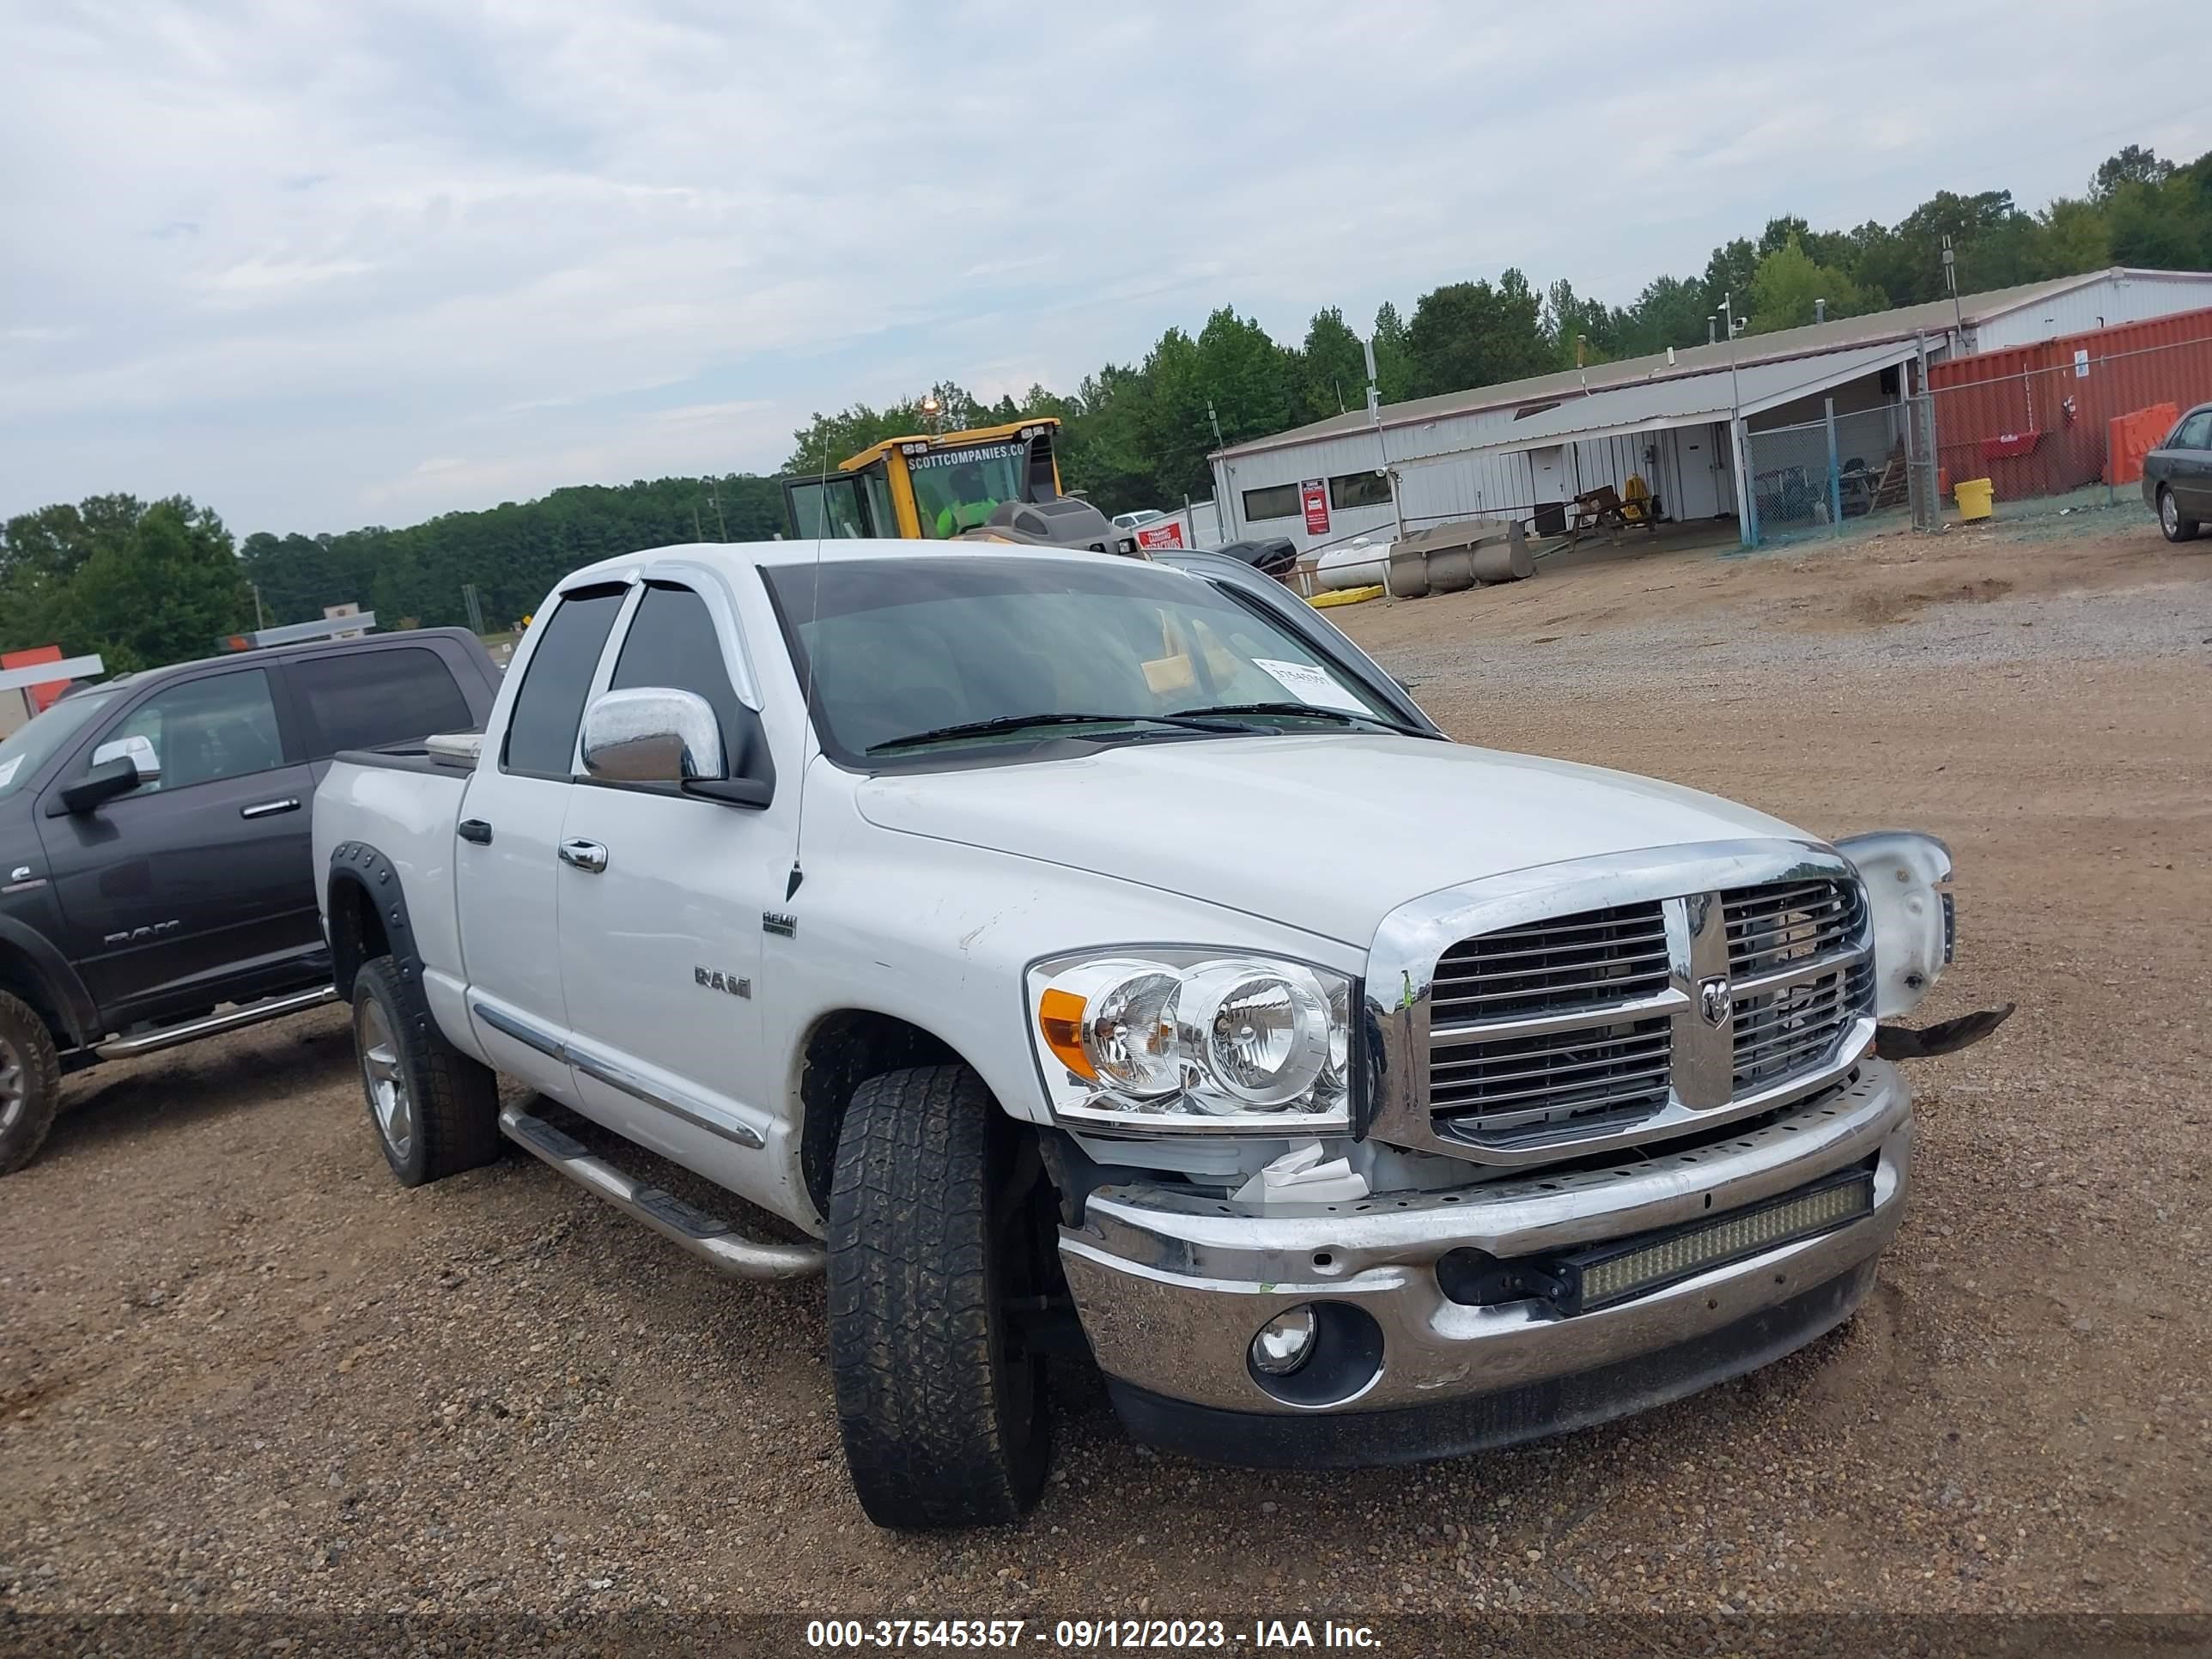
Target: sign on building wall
1313	496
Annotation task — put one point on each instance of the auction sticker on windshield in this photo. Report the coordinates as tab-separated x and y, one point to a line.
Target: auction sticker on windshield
1312	685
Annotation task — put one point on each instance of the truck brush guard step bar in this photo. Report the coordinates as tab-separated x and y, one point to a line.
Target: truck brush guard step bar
711	1239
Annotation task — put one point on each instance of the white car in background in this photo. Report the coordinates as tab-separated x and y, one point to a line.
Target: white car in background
1131	520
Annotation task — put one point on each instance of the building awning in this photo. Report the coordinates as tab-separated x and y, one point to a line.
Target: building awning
1687	400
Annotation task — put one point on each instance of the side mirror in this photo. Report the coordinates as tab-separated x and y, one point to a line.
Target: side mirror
114	772
656	734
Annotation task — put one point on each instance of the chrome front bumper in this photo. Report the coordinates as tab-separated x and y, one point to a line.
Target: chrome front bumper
1172	1289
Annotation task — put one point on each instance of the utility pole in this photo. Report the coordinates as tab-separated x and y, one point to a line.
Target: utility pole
1383	444
697	534
715	491
1739	436
1958	311
258	623
1220	524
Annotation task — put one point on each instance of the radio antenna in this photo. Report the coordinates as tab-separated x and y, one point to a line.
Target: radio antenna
806	734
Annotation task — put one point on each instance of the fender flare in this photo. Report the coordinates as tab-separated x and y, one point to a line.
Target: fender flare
357	865
80	1013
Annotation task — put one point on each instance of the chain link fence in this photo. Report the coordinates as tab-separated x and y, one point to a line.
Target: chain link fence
1823	475
2072	428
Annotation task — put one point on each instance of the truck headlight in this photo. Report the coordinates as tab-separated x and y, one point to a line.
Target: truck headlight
1193	1039
1907	877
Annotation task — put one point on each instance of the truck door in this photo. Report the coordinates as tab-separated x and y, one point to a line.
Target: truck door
506	853
661	928
197	887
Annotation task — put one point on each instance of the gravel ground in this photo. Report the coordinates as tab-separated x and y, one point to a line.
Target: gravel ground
243	1370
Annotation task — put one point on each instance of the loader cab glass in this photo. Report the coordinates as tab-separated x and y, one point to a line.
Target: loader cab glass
838	507
957	489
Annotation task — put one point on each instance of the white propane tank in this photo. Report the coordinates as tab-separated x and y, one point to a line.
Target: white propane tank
1357	563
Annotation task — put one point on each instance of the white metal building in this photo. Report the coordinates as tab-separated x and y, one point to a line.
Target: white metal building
1677	420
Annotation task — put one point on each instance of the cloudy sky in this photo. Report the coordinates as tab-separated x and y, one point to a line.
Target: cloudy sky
323	264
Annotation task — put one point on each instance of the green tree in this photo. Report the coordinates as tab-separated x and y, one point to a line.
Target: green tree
1671	311
1332	367
140	585
2076	238
1728	278
2133	165
1788	284
1579	330
1473	334
1394	356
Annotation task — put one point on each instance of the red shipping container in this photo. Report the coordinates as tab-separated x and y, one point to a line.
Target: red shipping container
2037	420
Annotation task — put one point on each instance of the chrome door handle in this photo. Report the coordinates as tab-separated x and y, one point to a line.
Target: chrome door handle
270	808
586	855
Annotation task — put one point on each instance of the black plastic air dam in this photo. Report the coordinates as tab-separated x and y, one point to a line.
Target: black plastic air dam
1484	1422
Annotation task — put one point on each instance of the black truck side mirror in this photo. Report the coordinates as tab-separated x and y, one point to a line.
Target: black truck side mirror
104	782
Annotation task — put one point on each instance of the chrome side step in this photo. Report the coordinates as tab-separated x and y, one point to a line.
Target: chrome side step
229	1019
709	1238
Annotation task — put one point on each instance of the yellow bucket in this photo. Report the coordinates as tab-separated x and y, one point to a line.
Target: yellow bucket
1973	496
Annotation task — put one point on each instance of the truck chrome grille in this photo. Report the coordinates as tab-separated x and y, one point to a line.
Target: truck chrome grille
1599	957
1772	927
1781	1033
1549	1031
1521	1089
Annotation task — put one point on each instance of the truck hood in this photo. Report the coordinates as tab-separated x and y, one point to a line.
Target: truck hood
1327	832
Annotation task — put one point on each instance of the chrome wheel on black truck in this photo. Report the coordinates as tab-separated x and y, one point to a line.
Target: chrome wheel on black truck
30	1082
939	1260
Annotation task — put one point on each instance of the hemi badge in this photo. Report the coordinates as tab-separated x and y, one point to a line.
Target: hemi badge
779	923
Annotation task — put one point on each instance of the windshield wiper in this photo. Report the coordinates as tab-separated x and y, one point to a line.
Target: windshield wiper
1005	723
1303	710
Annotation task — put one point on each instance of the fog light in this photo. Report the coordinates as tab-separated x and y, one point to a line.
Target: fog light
1285	1342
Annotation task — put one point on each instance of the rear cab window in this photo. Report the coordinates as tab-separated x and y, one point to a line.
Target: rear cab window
365	699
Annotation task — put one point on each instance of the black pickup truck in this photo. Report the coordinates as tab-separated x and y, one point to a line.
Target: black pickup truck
155	882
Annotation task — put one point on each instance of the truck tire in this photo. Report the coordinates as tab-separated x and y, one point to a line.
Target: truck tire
30	1083
934	1231
435	1110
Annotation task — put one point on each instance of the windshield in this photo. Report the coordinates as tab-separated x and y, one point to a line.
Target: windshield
957	490
1110	648
31	745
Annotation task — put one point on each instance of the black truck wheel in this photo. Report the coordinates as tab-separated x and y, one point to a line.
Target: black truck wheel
938	1237
30	1083
436	1111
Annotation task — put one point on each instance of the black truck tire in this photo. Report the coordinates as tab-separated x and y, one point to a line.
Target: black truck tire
435	1109
30	1083
934	1234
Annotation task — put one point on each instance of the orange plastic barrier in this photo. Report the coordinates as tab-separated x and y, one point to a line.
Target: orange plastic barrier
2134	436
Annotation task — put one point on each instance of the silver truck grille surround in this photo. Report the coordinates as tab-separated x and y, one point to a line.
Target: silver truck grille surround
1573	1007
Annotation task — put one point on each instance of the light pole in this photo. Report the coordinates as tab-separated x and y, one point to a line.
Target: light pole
1739	438
1220	524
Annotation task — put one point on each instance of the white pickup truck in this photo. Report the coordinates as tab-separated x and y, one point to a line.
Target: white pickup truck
1104	954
